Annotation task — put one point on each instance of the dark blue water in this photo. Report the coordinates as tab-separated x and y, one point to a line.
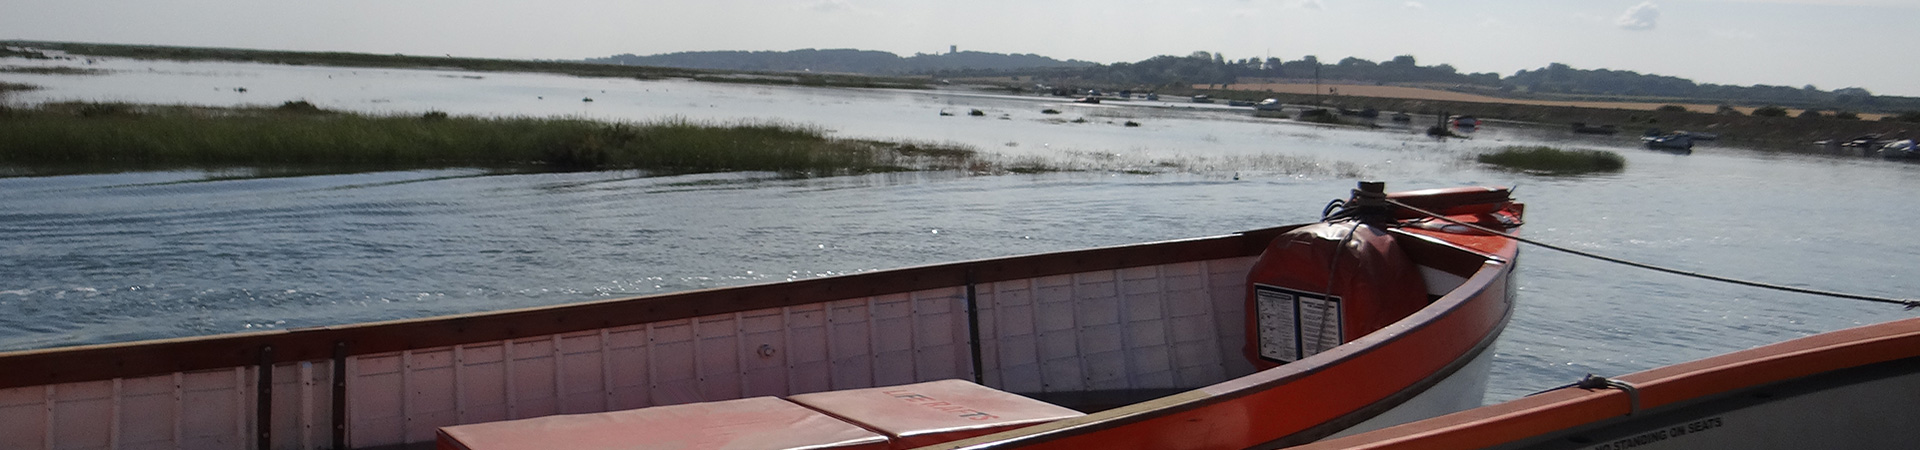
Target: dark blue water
109	258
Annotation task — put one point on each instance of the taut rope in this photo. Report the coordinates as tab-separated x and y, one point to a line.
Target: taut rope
1909	303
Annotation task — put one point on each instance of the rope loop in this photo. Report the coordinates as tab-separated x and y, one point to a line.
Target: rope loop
1592	382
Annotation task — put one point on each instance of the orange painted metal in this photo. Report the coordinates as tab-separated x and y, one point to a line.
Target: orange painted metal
1464	237
1552	412
1453	201
1346	262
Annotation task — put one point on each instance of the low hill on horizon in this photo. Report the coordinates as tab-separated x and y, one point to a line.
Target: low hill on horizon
1555	81
872	62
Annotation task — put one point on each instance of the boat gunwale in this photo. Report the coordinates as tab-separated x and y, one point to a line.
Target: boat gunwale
98	362
1494	269
1556	411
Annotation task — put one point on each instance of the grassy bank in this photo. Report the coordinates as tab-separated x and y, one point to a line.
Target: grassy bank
344	59
1553	161
106	137
51	70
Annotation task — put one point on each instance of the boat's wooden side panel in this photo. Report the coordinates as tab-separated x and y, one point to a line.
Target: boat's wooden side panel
197	410
1139	328
1156	327
402	397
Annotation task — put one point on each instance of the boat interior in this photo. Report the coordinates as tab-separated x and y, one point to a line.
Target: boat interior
1087	330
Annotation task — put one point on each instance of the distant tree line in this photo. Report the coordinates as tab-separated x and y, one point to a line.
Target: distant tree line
1213	68
843	60
1559	78
1554	80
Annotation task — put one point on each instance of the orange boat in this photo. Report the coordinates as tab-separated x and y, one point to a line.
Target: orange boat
1376	316
1854	388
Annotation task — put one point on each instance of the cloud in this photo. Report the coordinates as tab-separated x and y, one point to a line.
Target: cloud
1309	4
1416	5
830	6
1908	4
842	8
1640	17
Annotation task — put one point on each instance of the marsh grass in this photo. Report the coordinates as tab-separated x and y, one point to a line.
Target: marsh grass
57	70
10	52
1553	161
298	137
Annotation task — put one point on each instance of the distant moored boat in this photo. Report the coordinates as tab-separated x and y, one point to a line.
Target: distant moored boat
1674	141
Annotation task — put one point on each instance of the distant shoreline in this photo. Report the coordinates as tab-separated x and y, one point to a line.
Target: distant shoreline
1417	93
1787	133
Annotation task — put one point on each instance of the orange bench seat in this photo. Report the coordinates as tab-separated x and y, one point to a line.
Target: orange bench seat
759	423
922	414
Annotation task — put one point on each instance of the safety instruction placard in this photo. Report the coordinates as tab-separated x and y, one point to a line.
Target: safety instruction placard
1295	324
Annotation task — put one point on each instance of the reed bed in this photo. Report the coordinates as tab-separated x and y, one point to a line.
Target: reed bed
106	137
1554	161
56	70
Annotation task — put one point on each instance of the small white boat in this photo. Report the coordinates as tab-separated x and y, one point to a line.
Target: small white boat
1699	135
1903	148
1675	141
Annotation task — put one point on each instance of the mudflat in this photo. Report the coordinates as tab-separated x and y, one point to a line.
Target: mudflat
1418	93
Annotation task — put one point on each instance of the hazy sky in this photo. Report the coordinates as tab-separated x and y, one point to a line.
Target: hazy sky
1831	44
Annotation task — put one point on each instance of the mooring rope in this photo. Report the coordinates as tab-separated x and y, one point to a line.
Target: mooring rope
1909	303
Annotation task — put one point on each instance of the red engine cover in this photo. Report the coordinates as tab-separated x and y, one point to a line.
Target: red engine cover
1314	288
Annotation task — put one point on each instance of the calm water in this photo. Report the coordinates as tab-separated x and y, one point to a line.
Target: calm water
108	258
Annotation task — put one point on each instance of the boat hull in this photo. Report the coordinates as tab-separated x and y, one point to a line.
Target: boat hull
1848	389
1462	390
